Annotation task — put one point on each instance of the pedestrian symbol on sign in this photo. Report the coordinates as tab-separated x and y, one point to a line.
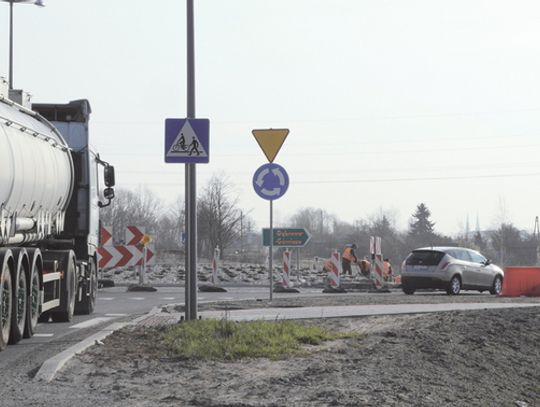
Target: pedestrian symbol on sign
180	146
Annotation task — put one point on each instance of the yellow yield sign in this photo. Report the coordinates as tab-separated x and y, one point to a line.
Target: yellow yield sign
270	141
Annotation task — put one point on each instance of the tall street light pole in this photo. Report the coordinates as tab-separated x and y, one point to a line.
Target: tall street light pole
37	3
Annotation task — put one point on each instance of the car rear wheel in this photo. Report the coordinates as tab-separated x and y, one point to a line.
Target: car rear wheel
455	286
496	288
408	290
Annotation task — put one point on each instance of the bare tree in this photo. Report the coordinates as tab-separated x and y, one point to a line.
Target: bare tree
321	225
171	227
139	208
218	216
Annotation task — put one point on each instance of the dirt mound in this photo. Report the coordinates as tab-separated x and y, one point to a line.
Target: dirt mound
473	358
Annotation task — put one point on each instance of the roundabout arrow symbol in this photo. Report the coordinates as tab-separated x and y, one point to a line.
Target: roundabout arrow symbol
260	178
272	192
270	181
279	174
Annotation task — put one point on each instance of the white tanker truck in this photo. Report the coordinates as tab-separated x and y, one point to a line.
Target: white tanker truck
49	214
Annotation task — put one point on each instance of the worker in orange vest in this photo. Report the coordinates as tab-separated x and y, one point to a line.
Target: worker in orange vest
365	267
387	269
347	257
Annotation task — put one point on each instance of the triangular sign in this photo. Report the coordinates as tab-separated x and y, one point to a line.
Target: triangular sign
270	141
186	144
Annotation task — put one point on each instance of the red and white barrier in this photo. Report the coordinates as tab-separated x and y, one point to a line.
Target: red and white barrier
125	256
335	270
377	265
285	280
119	256
105	236
134	235
131	254
148	255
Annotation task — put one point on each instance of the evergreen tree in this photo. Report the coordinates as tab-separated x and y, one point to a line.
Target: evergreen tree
421	230
420	225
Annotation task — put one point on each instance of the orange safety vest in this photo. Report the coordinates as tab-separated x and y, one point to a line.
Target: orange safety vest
387	268
348	255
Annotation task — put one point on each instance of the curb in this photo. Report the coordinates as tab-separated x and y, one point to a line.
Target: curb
51	366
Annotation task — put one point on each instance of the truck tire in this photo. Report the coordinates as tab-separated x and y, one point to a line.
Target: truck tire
33	305
89	291
6	298
20	300
68	288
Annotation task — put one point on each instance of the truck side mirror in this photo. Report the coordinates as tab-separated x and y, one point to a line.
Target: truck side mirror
108	174
108	194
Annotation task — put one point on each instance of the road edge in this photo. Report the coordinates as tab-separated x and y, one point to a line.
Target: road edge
52	366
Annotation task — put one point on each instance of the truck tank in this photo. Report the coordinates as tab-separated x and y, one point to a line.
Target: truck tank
36	176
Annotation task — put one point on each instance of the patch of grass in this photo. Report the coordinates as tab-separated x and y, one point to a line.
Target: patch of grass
230	340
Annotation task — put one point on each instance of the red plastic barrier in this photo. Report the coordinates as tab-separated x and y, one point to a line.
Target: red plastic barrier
521	281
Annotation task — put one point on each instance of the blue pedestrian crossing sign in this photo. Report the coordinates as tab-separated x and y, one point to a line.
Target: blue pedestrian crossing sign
270	181
187	141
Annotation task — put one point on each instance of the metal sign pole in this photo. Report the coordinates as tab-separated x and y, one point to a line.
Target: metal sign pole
270	250
298	264
191	180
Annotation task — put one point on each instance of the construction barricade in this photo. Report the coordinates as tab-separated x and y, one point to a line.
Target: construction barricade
214	276
520	281
333	267
285	286
377	264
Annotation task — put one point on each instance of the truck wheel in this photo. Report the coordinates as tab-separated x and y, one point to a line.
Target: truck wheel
6	302
68	290
44	317
18	316
88	301
32	307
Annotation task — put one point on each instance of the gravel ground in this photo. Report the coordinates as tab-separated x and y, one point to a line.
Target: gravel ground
473	358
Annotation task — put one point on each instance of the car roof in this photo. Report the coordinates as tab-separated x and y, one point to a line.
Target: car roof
443	248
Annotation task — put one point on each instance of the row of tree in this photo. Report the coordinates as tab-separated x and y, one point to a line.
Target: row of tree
223	223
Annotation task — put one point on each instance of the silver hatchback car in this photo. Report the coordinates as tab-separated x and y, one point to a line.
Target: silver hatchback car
451	269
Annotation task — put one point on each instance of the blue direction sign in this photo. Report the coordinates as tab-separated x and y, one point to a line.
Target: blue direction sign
187	141
270	181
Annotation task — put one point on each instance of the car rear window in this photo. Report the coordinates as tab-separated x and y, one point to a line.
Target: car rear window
424	257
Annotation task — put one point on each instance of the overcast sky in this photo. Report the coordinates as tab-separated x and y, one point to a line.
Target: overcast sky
389	102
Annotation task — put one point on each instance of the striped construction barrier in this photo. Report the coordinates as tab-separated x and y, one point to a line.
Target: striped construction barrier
377	263
285	280
214	276
333	265
520	281
285	286
334	272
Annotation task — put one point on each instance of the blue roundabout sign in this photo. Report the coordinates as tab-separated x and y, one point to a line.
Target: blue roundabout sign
270	181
